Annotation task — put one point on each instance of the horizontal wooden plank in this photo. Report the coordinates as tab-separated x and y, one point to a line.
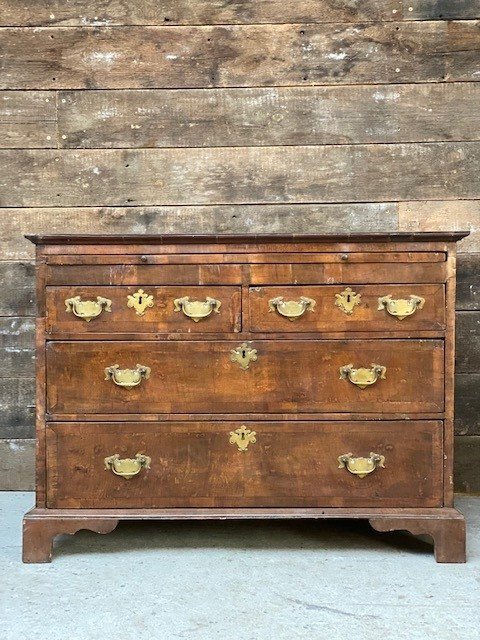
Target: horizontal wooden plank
17	465
441	216
17	407
468	282
172	12
269	116
467	469
238	56
359	173
18	289
28	119
17	341
468	342
467	404
281	218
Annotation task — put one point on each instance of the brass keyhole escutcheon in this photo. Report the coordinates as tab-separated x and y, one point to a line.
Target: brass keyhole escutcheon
243	355
347	300
140	301
243	437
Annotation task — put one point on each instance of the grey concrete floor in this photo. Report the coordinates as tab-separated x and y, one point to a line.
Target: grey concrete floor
289	580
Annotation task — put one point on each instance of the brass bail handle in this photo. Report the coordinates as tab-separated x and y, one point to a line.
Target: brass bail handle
127	467
401	308
87	309
197	310
363	377
361	467
291	309
127	378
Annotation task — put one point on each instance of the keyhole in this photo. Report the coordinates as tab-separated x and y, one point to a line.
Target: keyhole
244	353
140	299
348	297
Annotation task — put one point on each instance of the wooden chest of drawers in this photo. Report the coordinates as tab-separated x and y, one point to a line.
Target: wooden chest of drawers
245	377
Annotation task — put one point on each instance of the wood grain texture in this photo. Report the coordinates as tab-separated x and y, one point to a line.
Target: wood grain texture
17	465
28	119
360	173
194	465
456	214
269	116
17	407
187	12
18	291
276	218
238	56
468	342
468	282
199	377
17	347
467	404
467	472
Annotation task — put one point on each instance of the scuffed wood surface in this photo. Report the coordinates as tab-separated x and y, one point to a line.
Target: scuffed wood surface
468	282
17	341
238	56
269	116
17	463
467	404
360	173
281	218
28	119
18	289
172	12
468	342
17	407
450	215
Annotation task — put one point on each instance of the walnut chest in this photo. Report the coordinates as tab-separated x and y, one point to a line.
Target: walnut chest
245	377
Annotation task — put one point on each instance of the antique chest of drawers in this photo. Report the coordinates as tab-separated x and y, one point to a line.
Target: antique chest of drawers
245	377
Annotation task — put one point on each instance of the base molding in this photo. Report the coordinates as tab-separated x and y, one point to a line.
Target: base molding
446	526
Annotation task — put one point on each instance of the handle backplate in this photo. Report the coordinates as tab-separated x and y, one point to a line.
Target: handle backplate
87	309
291	309
127	378
401	308
361	467
363	377
127	467
197	310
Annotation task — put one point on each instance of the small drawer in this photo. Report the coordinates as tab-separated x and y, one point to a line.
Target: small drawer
144	309
244	464
232	376
375	308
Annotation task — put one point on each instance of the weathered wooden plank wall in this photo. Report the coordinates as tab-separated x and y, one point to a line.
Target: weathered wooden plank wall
234	116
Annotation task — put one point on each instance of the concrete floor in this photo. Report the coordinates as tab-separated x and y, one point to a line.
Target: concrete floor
237	581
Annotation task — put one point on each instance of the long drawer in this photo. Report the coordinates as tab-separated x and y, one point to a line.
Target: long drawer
263	376
233	464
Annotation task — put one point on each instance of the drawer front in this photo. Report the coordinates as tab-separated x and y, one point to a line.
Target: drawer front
348	274
144	309
211	377
233	464
359	308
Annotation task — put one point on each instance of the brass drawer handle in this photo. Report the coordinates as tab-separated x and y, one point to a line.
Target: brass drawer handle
401	308
363	377
291	309
197	309
127	378
127	467
242	437
361	467
87	309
